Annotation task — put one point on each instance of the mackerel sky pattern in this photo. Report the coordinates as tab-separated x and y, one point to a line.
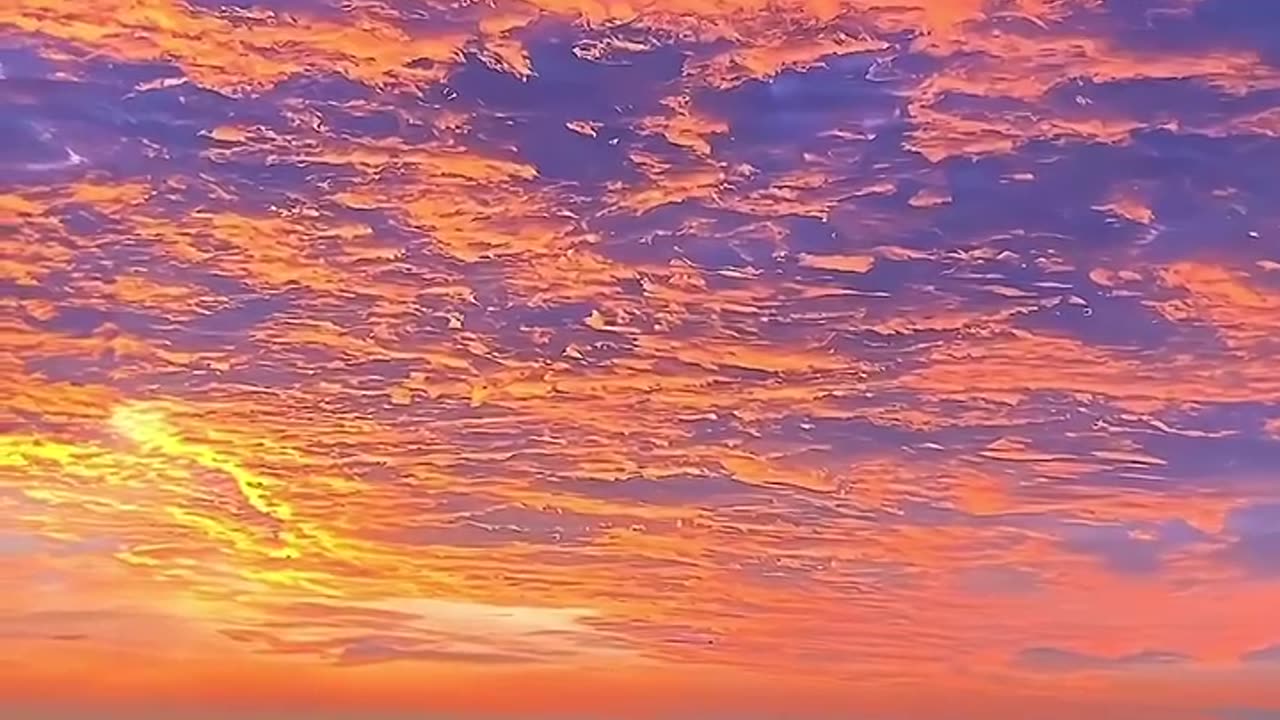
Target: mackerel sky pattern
805	359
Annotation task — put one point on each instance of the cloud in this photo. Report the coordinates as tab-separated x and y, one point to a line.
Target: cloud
1130	550
140	629
773	339
1247	714
18	544
676	491
373	649
1256	554
429	630
1050	659
1265	655
1119	551
1254	545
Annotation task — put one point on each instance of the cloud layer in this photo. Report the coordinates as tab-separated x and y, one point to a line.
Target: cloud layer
835	350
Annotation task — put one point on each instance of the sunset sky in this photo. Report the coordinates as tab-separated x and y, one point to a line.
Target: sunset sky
673	359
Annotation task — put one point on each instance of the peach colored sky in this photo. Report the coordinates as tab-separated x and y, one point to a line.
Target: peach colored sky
706	358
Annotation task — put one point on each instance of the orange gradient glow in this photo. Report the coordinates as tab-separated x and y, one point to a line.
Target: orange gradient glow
696	358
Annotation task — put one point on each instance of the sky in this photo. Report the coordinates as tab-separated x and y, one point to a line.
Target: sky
785	359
